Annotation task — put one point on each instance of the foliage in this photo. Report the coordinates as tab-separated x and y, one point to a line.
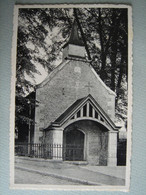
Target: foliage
43	32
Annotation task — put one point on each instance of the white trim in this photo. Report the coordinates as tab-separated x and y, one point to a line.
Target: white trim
99	110
86	118
81	110
75	116
99	117
52	74
93	112
87	109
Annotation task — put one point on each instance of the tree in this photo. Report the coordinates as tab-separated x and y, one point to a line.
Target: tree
108	46
37	46
43	32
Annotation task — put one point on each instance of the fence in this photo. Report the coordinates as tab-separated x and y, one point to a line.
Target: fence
50	151
65	152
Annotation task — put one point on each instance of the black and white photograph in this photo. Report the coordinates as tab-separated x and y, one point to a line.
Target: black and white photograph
71	97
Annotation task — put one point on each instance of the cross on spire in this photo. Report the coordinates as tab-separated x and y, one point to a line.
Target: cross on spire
89	87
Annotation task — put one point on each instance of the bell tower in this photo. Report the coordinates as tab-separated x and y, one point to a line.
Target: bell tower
75	47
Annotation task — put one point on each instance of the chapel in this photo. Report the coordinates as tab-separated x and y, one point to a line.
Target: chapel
76	110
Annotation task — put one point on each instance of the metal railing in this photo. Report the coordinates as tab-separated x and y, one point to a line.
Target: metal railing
50	151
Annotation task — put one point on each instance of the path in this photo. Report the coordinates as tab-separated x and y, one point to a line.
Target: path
68	172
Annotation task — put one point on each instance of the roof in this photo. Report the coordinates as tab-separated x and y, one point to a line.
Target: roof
74	37
77	105
69	110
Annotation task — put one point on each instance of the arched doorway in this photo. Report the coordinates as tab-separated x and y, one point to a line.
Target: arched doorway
86	140
73	145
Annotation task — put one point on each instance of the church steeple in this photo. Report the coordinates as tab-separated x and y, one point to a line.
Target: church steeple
74	37
75	47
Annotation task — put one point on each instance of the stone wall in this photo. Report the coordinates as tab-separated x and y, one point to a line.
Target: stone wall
95	146
66	86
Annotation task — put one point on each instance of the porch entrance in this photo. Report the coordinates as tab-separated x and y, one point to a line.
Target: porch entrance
73	145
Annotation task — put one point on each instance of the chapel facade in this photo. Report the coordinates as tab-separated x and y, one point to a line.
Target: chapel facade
77	110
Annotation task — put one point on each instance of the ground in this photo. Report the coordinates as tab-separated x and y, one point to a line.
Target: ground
41	171
26	177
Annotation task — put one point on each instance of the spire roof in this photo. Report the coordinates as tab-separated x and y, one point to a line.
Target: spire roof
74	37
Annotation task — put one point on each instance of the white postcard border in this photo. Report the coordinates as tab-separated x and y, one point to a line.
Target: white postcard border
12	105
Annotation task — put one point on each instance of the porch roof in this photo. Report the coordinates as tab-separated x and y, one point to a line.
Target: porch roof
69	110
78	104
